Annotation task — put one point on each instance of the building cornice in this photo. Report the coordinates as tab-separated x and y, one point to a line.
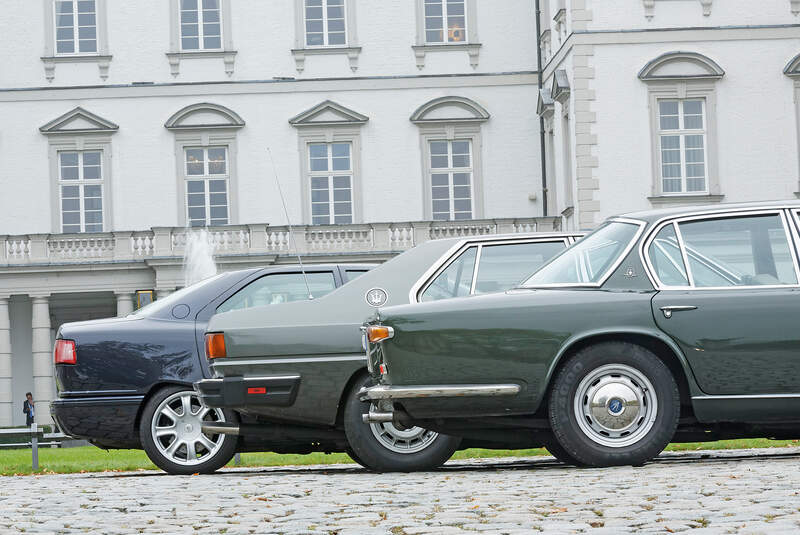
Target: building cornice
290	85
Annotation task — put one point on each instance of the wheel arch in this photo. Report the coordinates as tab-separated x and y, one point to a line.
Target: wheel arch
155	387
664	348
354	377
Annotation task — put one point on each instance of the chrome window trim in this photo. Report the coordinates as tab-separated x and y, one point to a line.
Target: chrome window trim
610	271
717	214
460	246
475	269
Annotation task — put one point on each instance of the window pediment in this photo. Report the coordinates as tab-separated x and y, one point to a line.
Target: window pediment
328	113
450	110
792	69
681	66
79	121
544	106
204	116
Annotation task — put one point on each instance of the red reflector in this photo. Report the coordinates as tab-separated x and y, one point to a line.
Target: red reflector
256	390
382	368
64	352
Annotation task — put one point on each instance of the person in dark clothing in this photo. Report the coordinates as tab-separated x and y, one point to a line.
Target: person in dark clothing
29	408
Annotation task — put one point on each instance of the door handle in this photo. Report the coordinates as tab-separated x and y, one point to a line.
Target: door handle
668	310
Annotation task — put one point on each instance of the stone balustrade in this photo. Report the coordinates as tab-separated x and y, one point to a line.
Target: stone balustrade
163	242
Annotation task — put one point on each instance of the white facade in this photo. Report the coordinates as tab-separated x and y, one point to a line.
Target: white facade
622	61
122	121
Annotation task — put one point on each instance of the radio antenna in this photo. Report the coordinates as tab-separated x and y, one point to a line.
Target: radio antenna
289	224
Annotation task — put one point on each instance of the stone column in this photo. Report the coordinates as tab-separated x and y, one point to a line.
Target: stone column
161	293
124	304
42	349
6	402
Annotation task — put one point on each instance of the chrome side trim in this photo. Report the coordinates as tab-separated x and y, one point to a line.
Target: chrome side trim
747	396
438	391
301	360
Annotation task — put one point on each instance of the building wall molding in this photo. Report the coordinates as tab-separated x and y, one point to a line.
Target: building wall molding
450	109
204	116
587	180
328	113
680	64
78	121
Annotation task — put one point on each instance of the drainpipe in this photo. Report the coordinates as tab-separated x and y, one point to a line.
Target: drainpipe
538	95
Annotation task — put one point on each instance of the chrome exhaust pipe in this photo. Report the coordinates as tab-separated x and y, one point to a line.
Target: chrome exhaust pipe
220	429
373	417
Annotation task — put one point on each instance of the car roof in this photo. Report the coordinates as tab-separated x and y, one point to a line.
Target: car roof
664	213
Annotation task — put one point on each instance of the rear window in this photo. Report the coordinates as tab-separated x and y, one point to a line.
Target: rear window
277	288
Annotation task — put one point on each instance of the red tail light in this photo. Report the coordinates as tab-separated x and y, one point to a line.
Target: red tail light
64	352
215	345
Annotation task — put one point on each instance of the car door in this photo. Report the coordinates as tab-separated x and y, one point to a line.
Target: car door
728	296
491	267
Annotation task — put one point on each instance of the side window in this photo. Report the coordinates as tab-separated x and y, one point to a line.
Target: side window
455	280
279	288
351	274
503	266
740	251
665	255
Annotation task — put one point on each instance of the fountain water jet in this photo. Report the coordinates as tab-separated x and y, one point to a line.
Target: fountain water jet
198	257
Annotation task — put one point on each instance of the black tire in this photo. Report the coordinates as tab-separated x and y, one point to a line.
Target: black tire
209	460
653	422
349	451
555	449
371	453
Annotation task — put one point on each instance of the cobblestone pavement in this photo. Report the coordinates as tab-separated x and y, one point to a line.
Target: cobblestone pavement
745	491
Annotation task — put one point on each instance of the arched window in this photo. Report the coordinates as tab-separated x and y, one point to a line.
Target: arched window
682	92
205	148
450	128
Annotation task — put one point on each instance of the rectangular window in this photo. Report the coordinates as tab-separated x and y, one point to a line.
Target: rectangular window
80	182
201	28
682	145
445	21
325	23
451	179
207	177
76	26
331	176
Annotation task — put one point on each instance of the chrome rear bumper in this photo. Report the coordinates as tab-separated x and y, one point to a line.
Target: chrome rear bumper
382	392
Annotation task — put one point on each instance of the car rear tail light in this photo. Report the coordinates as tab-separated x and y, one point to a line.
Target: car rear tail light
64	352
378	333
215	345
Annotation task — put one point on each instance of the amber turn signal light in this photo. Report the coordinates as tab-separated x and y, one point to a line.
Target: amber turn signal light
215	345
64	352
378	333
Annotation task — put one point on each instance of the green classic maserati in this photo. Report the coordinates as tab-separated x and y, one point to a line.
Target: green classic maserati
669	325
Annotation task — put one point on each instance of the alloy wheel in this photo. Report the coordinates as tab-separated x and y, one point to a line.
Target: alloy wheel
411	440
177	433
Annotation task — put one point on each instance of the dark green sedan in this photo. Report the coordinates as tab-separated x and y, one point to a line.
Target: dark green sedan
671	325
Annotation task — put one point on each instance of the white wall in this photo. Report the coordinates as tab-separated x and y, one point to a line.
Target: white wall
144	166
757	143
263	34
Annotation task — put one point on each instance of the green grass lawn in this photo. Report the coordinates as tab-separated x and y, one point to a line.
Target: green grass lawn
91	459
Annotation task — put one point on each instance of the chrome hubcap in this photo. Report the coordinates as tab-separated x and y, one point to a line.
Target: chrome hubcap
177	429
615	405
410	440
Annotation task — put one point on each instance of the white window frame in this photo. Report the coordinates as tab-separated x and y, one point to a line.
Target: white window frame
80	182
102	56
681	132
450	171
207	177
351	49
329	174
445	30
176	53
471	44
75	30
325	36
200	23
684	90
